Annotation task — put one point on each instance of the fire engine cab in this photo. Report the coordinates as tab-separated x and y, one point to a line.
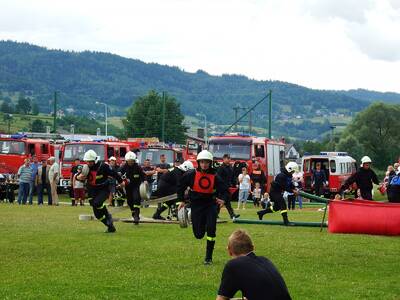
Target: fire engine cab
15	148
338	166
193	146
244	150
75	150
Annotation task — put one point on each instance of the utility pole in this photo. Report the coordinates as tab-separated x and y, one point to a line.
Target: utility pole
270	115
55	113
250	122
236	108
163	118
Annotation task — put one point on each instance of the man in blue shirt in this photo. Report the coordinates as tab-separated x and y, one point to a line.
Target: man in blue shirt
25	177
34	166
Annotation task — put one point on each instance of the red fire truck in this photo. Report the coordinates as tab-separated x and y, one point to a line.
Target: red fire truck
338	166
245	150
15	148
76	150
153	153
193	146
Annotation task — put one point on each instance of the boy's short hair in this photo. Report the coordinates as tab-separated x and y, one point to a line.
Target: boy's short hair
226	155
240	242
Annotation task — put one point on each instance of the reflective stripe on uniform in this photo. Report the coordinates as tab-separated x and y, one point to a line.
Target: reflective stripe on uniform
102	218
104	205
136	206
210	238
283	211
165	205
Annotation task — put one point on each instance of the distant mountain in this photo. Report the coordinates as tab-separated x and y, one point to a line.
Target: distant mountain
372	96
82	78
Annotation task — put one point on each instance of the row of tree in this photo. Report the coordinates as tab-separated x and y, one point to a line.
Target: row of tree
374	131
24	106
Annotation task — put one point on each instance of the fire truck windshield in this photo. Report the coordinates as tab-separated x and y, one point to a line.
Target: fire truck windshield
236	150
12	147
74	151
154	155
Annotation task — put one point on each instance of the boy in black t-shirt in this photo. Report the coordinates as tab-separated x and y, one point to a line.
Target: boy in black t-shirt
255	276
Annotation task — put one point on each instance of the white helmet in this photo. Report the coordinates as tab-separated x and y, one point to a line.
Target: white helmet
186	166
291	167
205	155
112	158
130	156
365	159
90	155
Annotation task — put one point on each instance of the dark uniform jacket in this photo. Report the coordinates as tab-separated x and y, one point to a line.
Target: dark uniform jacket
226	173
220	188
363	178
168	183
134	174
282	182
99	176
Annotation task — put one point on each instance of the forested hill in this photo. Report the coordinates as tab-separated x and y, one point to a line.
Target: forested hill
82	78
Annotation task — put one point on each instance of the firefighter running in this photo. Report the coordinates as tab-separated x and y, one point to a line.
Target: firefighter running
207	190
168	185
98	176
134	175
282	182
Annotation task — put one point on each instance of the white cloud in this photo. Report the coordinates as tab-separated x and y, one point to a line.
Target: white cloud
331	44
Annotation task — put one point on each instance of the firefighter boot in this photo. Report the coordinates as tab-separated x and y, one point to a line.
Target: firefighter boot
232	212
209	252
286	219
109	224
73	202
261	213
135	215
157	214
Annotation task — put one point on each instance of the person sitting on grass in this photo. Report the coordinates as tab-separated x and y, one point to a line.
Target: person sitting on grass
255	276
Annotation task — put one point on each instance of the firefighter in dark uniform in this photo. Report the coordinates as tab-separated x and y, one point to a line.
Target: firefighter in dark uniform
207	191
134	175
168	185
364	178
225	171
98	176
282	182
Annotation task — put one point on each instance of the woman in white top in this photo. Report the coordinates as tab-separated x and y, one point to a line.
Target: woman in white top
244	188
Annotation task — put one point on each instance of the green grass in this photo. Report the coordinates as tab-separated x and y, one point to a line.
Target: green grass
47	253
20	122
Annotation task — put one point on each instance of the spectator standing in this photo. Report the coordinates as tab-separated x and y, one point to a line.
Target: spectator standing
319	180
42	182
388	179
53	179
162	167
25	177
255	276
225	171
244	188
257	195
79	188
149	171
257	175
32	185
74	170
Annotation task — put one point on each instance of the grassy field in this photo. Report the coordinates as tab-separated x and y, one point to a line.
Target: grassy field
49	254
22	122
